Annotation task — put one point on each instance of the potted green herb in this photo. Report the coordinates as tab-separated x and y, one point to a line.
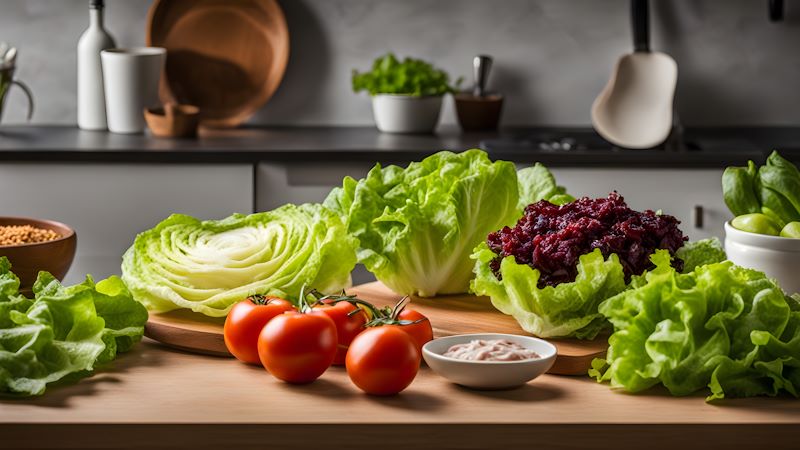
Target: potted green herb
406	95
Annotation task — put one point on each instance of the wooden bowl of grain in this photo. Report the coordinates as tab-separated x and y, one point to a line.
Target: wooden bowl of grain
33	245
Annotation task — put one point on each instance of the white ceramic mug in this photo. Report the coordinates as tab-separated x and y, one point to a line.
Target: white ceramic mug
131	77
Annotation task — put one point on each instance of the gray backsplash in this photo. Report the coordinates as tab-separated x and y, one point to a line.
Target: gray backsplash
552	57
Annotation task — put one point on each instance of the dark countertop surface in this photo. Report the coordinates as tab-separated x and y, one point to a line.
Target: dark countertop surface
700	148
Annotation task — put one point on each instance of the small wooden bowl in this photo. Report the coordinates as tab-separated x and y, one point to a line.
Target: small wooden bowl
478	113
52	256
173	120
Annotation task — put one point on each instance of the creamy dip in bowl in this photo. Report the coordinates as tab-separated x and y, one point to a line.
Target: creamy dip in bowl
485	373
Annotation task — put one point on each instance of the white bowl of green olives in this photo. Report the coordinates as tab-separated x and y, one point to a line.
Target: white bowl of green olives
775	255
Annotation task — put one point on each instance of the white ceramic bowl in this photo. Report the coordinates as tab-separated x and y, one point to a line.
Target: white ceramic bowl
778	257
489	374
406	113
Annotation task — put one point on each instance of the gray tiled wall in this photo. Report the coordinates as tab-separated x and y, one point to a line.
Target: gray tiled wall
552	56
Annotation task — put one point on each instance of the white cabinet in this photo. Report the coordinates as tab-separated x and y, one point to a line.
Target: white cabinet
108	204
694	196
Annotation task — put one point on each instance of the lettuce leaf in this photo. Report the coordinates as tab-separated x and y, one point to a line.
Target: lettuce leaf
569	309
208	266
722	327
538	183
63	330
417	226
700	253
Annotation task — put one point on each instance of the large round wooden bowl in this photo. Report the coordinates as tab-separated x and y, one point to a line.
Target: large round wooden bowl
52	256
225	57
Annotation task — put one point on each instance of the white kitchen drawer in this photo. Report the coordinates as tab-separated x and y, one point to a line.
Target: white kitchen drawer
108	204
694	196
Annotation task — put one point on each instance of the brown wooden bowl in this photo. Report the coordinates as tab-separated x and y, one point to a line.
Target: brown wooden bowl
173	120
52	256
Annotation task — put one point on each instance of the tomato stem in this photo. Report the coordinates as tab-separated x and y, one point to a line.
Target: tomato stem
261	299
378	316
303	305
400	306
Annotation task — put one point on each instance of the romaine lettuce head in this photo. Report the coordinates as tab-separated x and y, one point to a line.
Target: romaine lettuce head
569	309
63	331
417	226
720	326
207	266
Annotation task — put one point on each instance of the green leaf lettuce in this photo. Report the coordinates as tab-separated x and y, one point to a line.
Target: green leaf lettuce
569	309
416	226
700	253
537	183
63	331
721	327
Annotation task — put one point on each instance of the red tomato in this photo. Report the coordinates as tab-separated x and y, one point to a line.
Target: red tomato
383	360
298	347
245	321
347	326
422	332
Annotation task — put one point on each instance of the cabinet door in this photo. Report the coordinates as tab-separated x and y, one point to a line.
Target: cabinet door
108	204
693	196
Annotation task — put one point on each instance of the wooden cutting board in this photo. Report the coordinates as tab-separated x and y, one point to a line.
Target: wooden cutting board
449	315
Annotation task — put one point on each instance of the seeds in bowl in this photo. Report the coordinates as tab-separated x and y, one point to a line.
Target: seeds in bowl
25	234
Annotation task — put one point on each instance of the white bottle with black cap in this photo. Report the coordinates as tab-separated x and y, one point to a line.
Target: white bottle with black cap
91	97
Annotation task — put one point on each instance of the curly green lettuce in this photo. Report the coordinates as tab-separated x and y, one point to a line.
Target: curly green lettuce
721	327
417	225
568	309
700	253
62	331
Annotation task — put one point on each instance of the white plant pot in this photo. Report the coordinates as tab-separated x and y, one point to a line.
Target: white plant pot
406	113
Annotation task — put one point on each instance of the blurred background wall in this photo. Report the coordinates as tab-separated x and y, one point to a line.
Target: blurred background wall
552	57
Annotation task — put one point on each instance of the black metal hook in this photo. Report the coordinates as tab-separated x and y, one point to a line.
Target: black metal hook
640	22
775	10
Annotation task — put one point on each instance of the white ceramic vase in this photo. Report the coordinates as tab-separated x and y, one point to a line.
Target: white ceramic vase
406	113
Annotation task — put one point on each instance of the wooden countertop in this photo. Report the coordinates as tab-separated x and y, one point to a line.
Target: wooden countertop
160	397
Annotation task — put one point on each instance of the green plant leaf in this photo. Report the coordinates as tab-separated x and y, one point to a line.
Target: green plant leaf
409	77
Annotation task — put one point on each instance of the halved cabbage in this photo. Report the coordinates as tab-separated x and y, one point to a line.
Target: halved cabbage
207	266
